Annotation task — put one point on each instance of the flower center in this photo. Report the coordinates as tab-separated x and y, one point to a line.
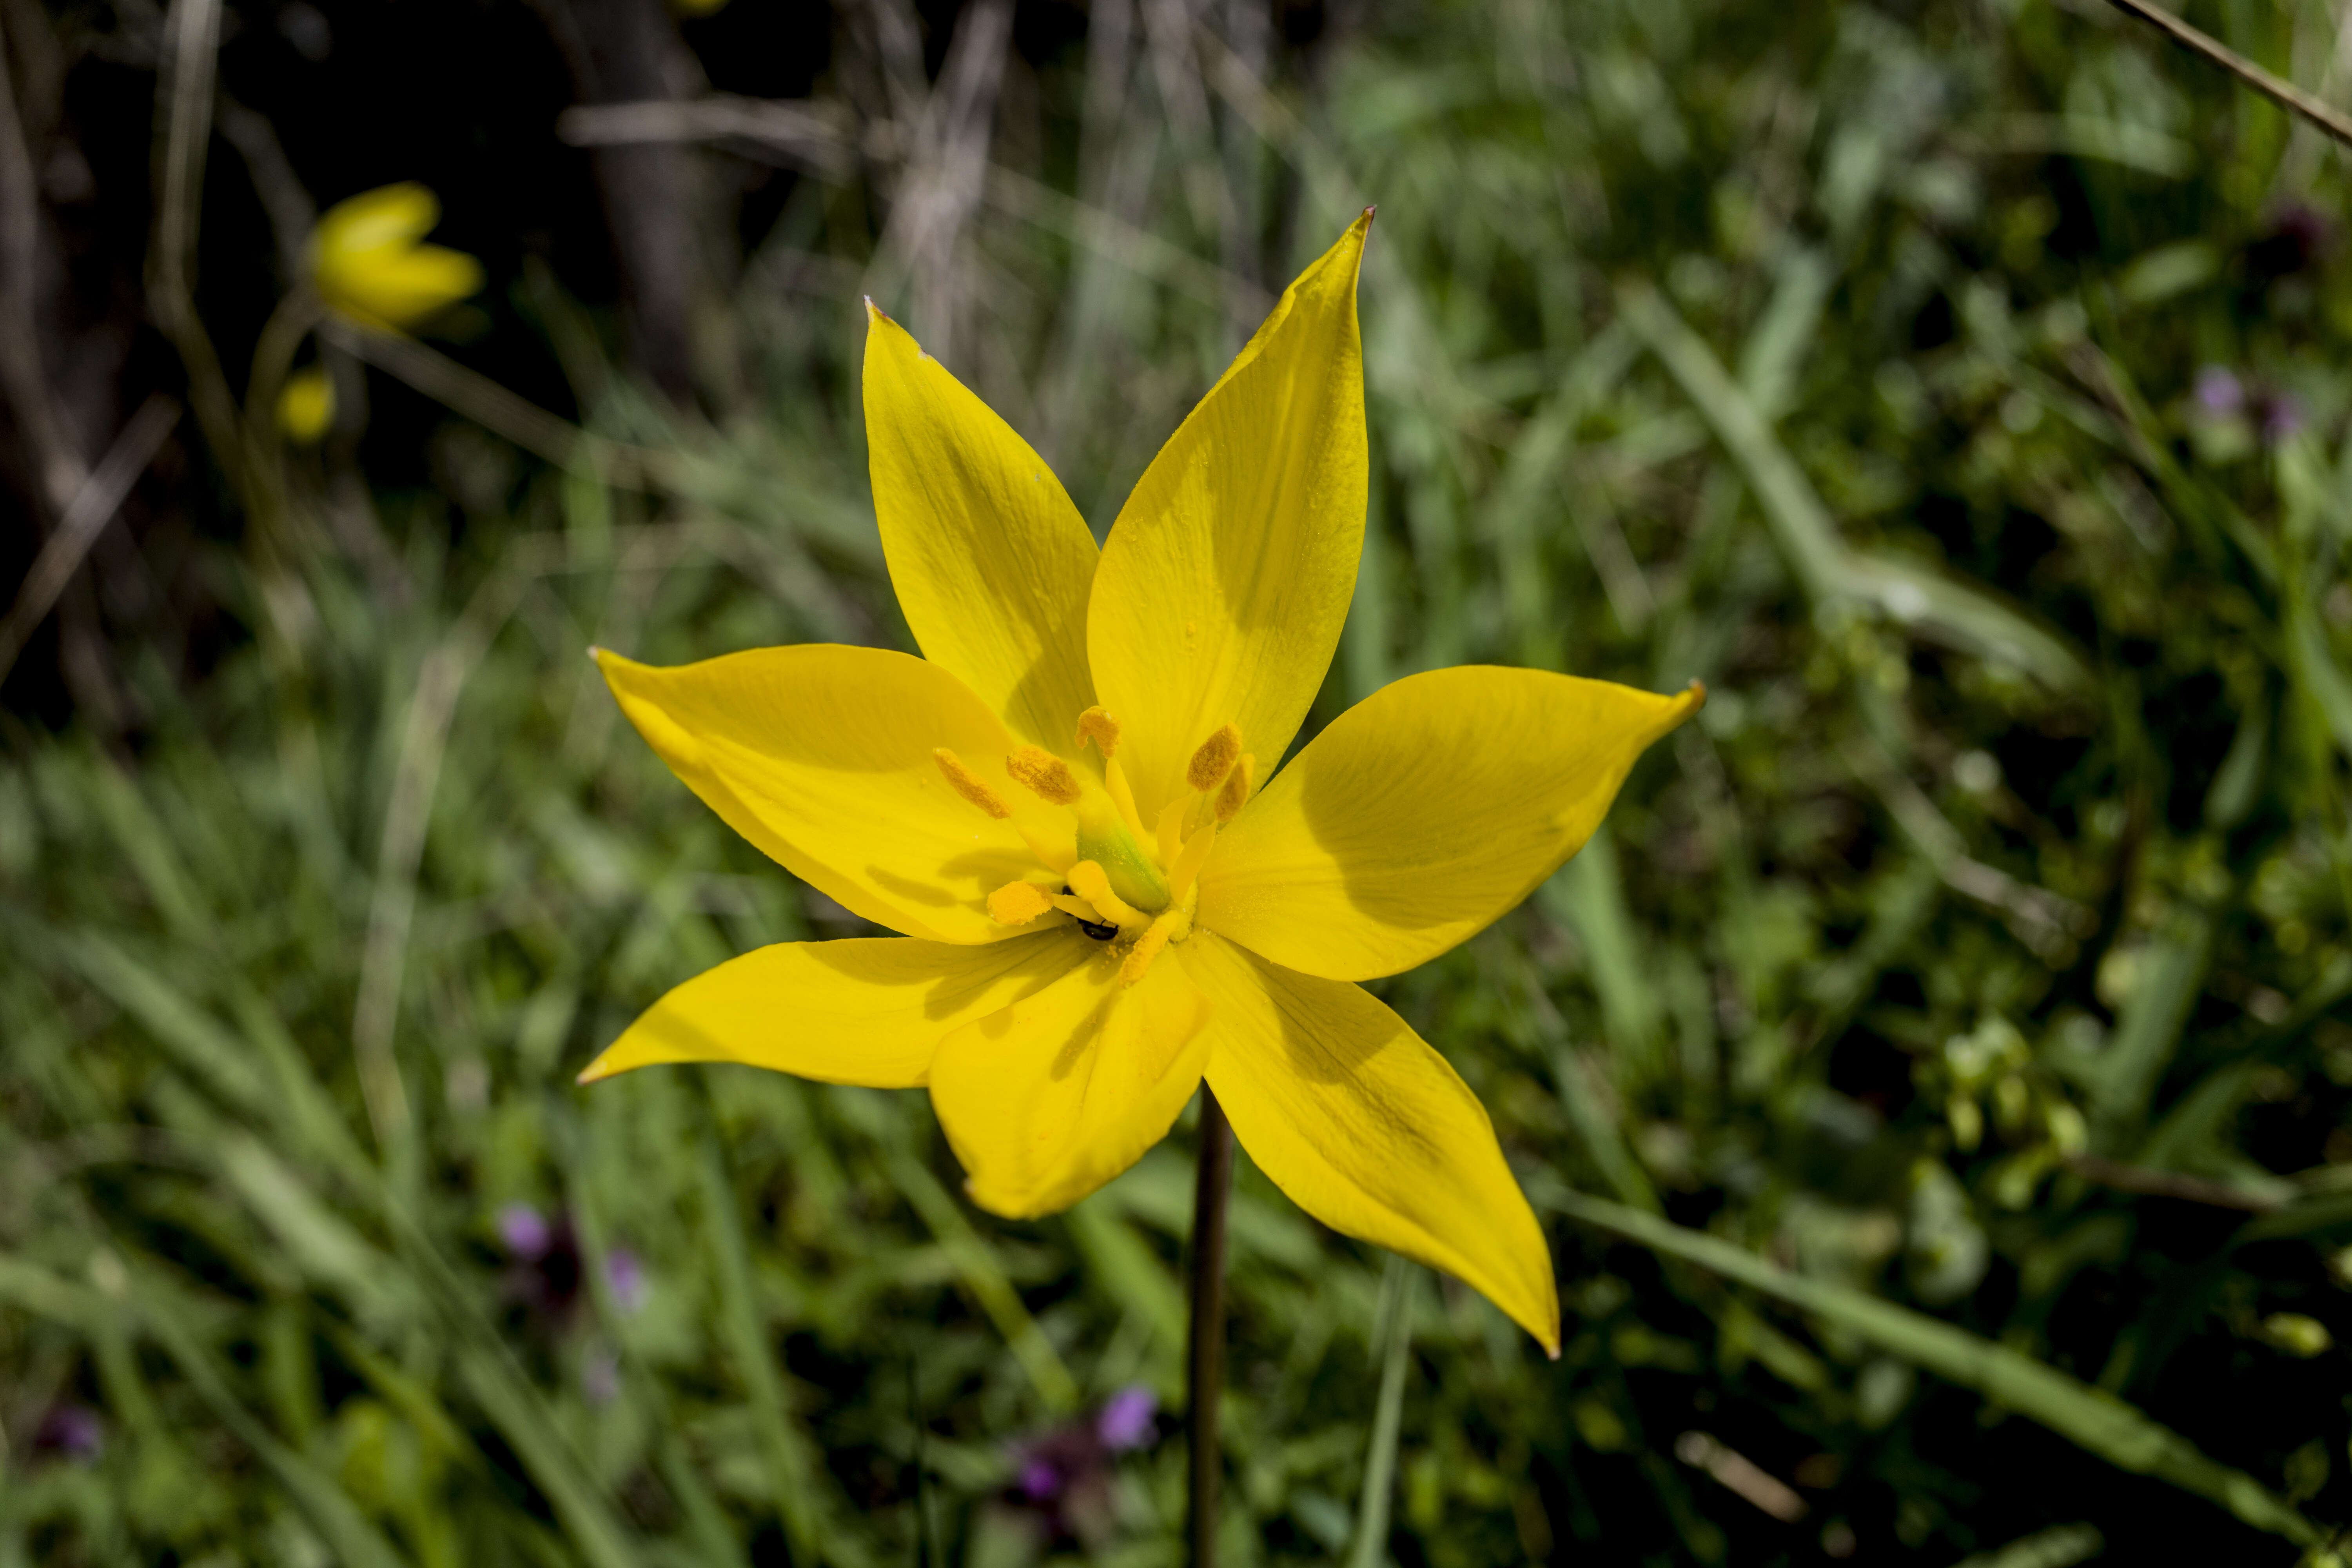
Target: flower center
1119	882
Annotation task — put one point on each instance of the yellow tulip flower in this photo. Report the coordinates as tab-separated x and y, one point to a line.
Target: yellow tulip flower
1066	808
367	262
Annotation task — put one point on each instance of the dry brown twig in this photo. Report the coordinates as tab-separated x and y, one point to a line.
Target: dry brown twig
2277	88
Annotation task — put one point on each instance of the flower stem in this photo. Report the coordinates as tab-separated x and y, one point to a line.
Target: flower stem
1205	1365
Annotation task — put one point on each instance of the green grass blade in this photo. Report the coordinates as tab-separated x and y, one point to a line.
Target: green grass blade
2098	1422
790	1468
1806	535
1392	1343
2061	1547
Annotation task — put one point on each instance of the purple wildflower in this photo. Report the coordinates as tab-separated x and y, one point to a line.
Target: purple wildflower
74	1431
1065	1477
1126	1422
525	1232
2218	392
545	1279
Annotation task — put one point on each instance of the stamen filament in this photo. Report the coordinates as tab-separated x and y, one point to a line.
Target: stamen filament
1077	909
1089	881
1187	869
1235	792
1171	829
1121	796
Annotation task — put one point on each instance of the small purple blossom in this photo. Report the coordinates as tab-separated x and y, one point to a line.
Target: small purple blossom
544	1279
2218	392
1065	1476
525	1231
1125	1421
624	1276
74	1431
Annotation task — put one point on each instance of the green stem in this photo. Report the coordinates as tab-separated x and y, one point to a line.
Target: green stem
1206	1364
1392	1341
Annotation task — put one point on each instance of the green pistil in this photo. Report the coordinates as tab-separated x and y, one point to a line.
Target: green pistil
1103	837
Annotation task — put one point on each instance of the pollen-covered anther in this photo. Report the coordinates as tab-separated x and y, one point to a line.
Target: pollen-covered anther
1095	724
1169	925
1018	903
1044	774
967	783
1235	791
1214	759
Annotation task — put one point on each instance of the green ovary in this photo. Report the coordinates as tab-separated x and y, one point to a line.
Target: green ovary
1104	838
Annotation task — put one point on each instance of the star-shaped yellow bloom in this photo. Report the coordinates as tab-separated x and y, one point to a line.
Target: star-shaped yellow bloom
1070	807
368	262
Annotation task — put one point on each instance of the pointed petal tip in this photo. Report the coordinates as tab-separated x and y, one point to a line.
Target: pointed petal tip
596	654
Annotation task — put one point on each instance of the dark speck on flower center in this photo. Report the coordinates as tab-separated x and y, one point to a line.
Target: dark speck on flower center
1099	932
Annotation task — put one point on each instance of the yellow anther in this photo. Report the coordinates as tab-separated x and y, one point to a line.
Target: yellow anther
1018	903
1187	869
1214	759
966	783
1169	925
1045	774
1089	882
1235	792
1095	724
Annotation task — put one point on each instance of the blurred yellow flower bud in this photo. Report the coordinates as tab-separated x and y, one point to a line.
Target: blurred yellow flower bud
367	263
306	406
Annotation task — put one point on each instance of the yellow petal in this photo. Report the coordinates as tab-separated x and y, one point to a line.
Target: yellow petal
373	220
990	561
866	1010
397	288
1051	1097
1423	812
1227	576
822	755
1368	1129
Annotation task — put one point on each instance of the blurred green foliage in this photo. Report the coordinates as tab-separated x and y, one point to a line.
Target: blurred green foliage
1937	1074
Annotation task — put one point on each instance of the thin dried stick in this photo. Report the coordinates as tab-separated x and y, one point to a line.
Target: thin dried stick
92	509
2277	88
